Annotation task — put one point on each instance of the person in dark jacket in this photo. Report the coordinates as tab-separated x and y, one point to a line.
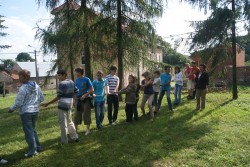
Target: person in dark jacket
202	82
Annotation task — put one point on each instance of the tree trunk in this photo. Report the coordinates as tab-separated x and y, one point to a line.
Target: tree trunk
86	39
119	42
70	54
235	92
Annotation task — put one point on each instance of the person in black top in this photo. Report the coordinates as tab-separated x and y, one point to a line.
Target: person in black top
202	82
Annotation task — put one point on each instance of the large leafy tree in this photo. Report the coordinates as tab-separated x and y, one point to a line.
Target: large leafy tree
24	57
7	64
220	29
121	27
135	32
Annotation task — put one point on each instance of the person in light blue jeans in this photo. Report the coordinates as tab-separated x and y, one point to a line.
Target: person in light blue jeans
165	88
178	85
28	101
100	90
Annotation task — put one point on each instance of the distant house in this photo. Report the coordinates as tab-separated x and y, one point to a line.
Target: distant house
45	79
240	57
11	81
242	70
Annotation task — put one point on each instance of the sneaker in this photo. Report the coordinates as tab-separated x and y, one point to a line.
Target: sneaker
27	155
3	161
113	123
87	132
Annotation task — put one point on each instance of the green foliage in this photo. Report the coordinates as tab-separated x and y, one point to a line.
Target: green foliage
247	63
244	41
213	31
8	63
2	34
216	136
24	57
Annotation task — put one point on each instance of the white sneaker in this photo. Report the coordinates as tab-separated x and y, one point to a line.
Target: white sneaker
113	123
3	161
27	155
87	132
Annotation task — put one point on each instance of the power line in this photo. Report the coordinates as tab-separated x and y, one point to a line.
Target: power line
170	36
20	52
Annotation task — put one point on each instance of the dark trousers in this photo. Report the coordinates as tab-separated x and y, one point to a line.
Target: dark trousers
130	109
155	99
136	111
112	101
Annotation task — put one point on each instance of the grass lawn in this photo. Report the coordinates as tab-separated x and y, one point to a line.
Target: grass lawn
216	136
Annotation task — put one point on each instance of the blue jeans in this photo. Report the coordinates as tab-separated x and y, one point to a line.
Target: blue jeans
177	93
99	113
168	99
29	124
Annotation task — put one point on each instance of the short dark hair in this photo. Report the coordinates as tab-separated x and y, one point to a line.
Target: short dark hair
203	65
166	67
177	67
79	70
157	72
62	72
145	74
113	68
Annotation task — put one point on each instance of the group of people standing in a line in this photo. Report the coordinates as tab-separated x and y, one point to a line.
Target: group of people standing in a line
103	90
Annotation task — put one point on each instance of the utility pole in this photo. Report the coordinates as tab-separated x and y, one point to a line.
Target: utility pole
37	78
235	91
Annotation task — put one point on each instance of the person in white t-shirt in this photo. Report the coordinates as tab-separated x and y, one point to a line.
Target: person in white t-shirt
156	87
178	85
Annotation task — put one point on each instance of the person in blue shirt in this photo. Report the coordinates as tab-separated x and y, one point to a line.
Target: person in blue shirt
165	88
100	90
83	109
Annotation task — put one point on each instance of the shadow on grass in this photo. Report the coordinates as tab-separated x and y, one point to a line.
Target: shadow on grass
142	143
206	113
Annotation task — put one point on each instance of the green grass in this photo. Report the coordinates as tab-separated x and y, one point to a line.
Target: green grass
216	136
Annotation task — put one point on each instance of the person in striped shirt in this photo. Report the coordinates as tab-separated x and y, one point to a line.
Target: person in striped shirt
112	97
66	92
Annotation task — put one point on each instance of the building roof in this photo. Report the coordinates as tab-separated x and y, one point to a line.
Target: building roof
42	67
72	6
14	76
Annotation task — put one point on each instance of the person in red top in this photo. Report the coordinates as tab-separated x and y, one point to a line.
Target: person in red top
192	75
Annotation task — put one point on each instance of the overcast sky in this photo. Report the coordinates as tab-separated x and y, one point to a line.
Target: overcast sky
22	16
